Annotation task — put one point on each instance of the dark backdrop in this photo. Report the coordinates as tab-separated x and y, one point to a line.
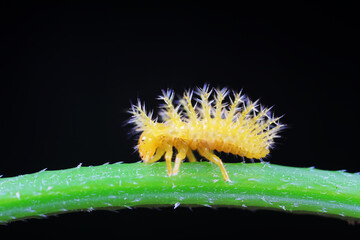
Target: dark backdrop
69	72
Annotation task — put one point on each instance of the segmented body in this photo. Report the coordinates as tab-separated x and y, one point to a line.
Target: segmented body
240	127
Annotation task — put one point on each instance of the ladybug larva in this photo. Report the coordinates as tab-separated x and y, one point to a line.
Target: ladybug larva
237	126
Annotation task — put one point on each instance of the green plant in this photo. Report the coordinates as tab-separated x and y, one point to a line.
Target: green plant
255	185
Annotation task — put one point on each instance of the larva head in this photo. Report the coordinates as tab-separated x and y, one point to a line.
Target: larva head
151	131
147	146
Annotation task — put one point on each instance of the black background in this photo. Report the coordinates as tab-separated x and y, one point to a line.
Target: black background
69	72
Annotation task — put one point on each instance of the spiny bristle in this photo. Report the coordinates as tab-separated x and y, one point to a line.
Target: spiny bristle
140	118
168	111
206	105
186	102
220	105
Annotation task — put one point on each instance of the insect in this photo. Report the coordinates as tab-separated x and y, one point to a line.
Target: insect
205	122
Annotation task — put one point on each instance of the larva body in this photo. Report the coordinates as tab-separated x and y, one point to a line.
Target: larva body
241	128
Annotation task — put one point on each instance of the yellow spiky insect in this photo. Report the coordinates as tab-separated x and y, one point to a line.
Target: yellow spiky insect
240	127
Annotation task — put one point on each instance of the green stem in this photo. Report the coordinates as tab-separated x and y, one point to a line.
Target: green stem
259	185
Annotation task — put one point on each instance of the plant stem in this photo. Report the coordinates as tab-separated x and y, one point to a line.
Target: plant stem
258	185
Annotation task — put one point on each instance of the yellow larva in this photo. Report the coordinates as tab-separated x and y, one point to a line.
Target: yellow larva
239	126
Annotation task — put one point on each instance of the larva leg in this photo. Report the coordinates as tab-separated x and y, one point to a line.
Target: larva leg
159	153
168	156
205	152
182	150
190	156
